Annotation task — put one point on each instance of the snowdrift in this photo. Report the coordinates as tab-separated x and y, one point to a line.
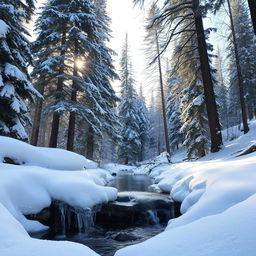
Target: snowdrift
44	174
218	197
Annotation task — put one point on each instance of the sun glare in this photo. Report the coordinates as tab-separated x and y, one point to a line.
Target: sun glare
79	64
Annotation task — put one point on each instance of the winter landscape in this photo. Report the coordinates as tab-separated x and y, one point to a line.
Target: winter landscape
127	127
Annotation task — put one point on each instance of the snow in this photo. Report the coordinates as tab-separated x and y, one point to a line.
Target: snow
4	28
14	241
44	175
217	195
51	158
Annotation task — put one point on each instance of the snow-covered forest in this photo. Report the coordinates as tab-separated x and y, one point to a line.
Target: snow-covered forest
89	147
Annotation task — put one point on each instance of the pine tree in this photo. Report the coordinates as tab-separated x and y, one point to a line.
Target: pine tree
242	50
173	110
74	67
130	145
15	56
174	15
192	98
144	125
153	39
221	90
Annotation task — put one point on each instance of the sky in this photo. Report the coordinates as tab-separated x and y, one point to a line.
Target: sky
128	19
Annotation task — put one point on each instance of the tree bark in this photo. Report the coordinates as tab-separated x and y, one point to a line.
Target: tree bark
252	7
37	121
239	73
56	116
167	143
213	118
90	143
72	117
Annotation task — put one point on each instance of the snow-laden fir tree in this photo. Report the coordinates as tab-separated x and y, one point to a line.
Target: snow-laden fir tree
102	72
221	90
15	56
130	147
247	58
173	112
192	104
145	125
73	66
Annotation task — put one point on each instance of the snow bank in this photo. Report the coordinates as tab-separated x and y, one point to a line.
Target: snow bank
14	241
51	158
218	196
27	190
115	168
229	233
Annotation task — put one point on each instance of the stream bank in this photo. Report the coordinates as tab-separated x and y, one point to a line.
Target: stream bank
134	217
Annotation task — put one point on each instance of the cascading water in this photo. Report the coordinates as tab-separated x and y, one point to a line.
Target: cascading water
132	218
70	220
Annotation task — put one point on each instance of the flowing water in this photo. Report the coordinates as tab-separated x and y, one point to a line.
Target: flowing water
106	240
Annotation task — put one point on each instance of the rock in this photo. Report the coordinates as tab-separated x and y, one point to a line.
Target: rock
123	237
137	208
8	160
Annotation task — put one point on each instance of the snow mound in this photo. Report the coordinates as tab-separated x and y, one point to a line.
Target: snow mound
28	189
51	158
229	233
14	241
217	195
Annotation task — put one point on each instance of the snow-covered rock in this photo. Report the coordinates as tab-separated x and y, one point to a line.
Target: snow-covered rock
51	158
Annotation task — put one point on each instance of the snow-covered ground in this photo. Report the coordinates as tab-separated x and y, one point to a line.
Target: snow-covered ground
217	192
218	205
44	174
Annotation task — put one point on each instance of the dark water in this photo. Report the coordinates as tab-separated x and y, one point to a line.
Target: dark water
102	240
103	243
131	182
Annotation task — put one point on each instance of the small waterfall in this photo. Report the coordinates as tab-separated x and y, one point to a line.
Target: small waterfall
72	220
152	217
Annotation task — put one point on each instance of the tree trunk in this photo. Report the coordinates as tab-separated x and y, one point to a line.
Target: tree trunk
252	6
72	118
56	116
36	122
213	118
90	143
239	74
167	143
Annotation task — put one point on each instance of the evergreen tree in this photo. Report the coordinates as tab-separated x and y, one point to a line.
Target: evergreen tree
15	56
74	67
174	116
144	125
192	98
247	59
153	40
221	90
174	15
130	145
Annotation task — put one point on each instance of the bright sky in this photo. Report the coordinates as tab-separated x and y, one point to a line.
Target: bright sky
128	19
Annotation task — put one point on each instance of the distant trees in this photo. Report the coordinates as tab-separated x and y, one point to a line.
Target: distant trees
173	16
15	56
133	116
153	41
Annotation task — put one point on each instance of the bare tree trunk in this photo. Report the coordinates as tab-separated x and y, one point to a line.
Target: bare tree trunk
72	118
167	144
252	6
90	143
36	122
213	118
239	73
56	116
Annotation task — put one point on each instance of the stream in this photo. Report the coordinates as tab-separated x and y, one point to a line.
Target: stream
111	234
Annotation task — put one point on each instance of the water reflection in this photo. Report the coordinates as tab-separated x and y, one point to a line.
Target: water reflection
131	182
